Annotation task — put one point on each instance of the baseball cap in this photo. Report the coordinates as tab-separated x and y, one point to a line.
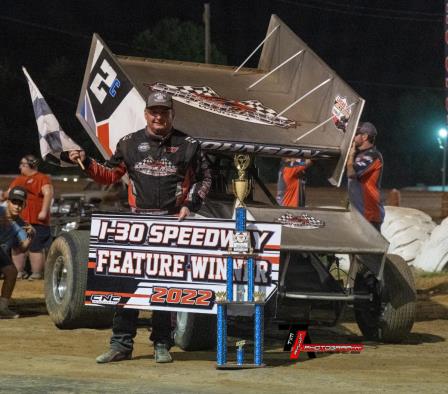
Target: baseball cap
17	193
367	128
159	99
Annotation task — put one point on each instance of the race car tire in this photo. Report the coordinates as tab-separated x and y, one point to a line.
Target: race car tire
406	229
390	315
65	284
433	255
195	331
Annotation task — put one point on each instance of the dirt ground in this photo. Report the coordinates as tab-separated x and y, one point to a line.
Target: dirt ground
36	357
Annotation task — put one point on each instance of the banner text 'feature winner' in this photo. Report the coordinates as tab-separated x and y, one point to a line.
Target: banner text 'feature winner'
159	263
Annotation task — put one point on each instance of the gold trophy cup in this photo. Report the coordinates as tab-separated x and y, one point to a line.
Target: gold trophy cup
241	186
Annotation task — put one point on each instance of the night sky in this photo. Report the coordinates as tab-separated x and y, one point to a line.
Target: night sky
390	52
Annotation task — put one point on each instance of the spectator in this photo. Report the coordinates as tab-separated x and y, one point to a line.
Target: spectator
364	172
168	175
291	182
37	213
13	233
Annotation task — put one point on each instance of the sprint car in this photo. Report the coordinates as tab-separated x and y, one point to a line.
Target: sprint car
291	105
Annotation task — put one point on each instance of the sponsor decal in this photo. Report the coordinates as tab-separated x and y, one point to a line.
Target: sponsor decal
144	147
206	99
105	299
244	147
172	149
303	221
299	341
150	166
341	112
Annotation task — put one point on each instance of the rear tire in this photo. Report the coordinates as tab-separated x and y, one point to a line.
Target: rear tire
389	317
195	331
65	284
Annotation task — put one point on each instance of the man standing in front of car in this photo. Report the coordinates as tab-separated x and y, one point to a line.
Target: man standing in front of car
168	175
364	172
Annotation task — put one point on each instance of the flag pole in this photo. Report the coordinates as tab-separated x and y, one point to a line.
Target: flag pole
80	164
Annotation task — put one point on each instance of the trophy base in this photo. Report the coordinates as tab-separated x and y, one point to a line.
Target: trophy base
234	365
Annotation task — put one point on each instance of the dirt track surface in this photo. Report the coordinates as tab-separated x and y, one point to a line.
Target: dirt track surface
36	357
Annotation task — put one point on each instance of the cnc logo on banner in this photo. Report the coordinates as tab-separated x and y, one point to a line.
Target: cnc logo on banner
145	262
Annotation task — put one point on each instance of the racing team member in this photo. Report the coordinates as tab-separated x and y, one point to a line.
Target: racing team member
37	213
364	172
291	182
168	175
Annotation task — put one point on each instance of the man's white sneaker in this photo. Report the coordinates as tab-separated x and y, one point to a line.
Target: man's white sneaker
36	276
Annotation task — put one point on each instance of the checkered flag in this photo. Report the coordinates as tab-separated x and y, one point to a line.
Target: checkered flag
258	107
184	90
303	221
243	110
52	139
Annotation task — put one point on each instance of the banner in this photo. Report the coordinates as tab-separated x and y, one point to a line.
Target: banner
147	262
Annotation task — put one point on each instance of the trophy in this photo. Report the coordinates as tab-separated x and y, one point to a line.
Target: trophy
241	189
241	186
241	248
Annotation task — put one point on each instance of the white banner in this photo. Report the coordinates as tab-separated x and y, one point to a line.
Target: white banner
148	262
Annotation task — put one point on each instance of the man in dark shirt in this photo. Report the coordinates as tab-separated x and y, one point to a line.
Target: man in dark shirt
364	171
168	174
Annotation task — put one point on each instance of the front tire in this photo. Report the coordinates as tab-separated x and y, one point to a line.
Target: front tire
195	331
65	284
389	317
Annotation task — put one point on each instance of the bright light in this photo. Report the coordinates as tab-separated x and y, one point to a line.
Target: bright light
65	179
75	179
443	133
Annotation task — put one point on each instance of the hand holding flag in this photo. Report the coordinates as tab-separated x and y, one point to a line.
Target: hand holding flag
52	139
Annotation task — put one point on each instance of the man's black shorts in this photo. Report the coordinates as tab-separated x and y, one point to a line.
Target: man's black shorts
42	238
5	258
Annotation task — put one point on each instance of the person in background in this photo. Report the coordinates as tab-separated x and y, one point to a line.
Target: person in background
364	172
291	182
37	213
168	175
14	233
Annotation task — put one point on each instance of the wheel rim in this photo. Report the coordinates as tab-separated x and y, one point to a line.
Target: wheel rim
371	311
181	321
59	279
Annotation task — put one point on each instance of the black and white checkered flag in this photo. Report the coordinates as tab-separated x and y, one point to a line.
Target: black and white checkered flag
248	110
52	139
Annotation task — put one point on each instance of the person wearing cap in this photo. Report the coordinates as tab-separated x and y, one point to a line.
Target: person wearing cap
168	174
14	233
37	213
364	172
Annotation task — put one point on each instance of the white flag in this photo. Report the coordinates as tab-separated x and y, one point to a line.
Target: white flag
52	139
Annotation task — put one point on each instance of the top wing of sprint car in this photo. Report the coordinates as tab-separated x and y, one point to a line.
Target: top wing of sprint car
293	104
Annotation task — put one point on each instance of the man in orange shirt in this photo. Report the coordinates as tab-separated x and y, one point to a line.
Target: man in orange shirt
291	182
36	213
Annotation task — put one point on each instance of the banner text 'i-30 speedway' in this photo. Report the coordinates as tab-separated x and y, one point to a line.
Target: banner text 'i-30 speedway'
147	262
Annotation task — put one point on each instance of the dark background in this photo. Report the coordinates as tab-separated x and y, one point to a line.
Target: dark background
390	52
